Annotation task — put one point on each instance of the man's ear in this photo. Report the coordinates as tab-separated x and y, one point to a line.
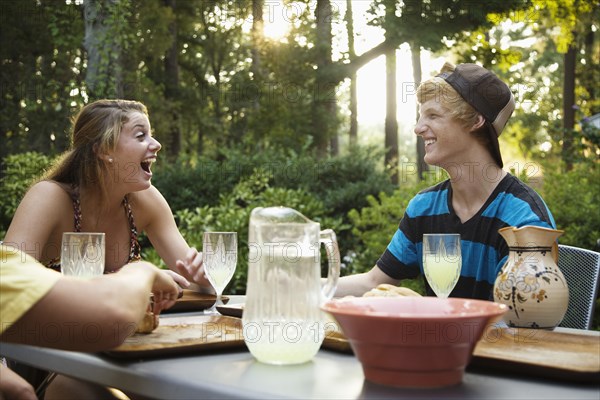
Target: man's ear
480	122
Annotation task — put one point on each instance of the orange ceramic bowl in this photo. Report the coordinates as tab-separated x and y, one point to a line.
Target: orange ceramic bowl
413	341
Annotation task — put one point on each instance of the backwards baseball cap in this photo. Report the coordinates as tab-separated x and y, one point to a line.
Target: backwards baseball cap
487	94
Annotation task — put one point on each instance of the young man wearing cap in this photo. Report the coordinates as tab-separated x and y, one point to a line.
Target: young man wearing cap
463	110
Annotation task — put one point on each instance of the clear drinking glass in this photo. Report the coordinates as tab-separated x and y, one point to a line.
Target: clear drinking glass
219	256
442	261
82	254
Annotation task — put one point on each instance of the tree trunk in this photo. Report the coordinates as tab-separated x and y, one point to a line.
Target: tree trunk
591	87
391	122
172	85
324	103
353	134
415	52
104	73
568	103
334	144
257	40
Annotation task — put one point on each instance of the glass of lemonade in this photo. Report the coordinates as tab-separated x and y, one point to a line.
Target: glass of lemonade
442	261
219	256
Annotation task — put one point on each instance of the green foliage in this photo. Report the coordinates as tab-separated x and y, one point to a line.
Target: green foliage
344	181
520	37
108	36
18	173
42	85
573	197
568	16
195	181
228	84
589	144
192	182
341	182
445	20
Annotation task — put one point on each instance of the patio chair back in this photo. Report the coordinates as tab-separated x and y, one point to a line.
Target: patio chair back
581	268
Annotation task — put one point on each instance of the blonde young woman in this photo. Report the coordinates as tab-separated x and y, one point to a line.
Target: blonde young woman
103	184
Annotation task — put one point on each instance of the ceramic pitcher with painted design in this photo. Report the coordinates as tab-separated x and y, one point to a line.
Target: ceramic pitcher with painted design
530	282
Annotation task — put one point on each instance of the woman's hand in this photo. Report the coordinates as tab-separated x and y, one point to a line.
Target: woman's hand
191	267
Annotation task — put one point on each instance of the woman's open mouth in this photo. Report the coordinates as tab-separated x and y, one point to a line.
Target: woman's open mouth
147	165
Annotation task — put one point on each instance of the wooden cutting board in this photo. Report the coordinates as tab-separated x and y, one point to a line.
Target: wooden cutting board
540	352
186	334
175	337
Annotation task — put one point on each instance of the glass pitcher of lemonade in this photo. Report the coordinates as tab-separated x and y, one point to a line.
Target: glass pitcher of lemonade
282	319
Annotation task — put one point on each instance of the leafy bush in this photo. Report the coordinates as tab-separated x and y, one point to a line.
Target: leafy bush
192	182
341	182
19	171
573	198
189	183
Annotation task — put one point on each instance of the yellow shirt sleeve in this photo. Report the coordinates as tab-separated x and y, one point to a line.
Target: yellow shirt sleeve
23	282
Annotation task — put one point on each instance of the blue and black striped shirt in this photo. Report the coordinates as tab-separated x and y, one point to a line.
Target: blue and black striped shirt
484	251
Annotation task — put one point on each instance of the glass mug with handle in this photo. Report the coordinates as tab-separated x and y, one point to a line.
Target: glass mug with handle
442	261
82	254
282	319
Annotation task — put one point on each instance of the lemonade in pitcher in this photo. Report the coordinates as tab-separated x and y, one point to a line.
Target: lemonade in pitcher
282	319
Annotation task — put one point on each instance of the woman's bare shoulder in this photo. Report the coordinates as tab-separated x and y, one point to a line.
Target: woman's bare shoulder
50	191
44	208
148	197
147	205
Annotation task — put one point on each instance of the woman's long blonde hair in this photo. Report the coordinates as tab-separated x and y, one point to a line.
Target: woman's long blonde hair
96	130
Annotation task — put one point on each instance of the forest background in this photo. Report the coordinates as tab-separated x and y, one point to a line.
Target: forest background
250	120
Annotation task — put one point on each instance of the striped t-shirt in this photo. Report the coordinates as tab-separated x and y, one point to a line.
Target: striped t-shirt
484	251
